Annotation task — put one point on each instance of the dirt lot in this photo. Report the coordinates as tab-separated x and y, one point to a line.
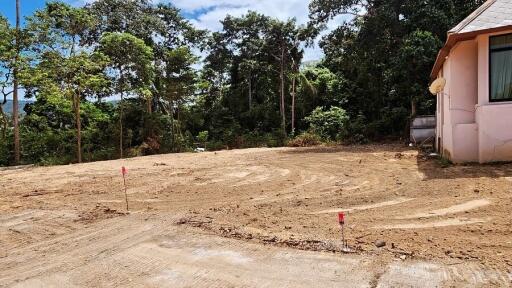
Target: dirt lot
282	198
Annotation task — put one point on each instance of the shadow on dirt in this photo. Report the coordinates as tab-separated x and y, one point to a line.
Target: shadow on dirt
389	148
436	168
430	167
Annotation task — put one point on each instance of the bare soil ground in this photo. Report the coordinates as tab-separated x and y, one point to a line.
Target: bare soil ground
64	219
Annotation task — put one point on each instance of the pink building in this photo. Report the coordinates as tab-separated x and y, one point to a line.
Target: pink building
474	109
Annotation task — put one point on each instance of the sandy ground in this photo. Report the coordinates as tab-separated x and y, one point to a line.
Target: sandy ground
258	218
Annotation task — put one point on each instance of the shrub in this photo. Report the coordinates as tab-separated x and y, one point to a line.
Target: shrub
305	139
202	137
357	131
5	149
329	124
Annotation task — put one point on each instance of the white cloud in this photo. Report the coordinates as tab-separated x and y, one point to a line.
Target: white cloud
208	14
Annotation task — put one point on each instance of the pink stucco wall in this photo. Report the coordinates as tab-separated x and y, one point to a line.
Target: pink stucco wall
458	101
470	127
495	132
463	87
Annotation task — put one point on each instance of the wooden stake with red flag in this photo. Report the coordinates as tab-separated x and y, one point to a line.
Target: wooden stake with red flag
124	172
341	220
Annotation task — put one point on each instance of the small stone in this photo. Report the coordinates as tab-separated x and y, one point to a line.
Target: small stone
430	239
380	243
403	257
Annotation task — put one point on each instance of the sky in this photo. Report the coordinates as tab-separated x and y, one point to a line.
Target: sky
206	14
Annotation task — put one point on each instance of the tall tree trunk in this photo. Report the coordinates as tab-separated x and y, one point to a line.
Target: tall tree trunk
293	105
121	127
15	113
150	110
281	77
413	108
250	92
78	122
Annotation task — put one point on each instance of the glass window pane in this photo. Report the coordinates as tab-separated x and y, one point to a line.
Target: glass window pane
501	75
504	41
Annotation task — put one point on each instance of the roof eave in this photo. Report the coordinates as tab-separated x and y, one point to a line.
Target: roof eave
454	38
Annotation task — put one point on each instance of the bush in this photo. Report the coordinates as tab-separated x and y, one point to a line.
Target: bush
202	137
329	124
5	149
249	140
357	131
305	139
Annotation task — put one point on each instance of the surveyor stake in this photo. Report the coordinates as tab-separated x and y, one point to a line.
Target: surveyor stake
123	171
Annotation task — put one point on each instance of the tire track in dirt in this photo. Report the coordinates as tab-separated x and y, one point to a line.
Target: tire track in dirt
366	207
434	224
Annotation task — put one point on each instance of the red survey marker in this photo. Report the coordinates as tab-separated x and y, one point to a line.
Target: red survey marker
341	218
124	171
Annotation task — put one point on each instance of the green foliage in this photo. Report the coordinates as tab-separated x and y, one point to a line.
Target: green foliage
247	72
329	124
202	137
7	64
321	87
49	134
130	61
6	146
414	58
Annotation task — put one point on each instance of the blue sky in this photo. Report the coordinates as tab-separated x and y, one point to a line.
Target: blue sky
8	7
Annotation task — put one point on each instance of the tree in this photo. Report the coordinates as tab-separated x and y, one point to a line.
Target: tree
64	66
171	37
282	36
413	60
299	79
175	78
287	39
73	78
7	56
15	73
250	61
238	51
131	68
246	37
135	17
